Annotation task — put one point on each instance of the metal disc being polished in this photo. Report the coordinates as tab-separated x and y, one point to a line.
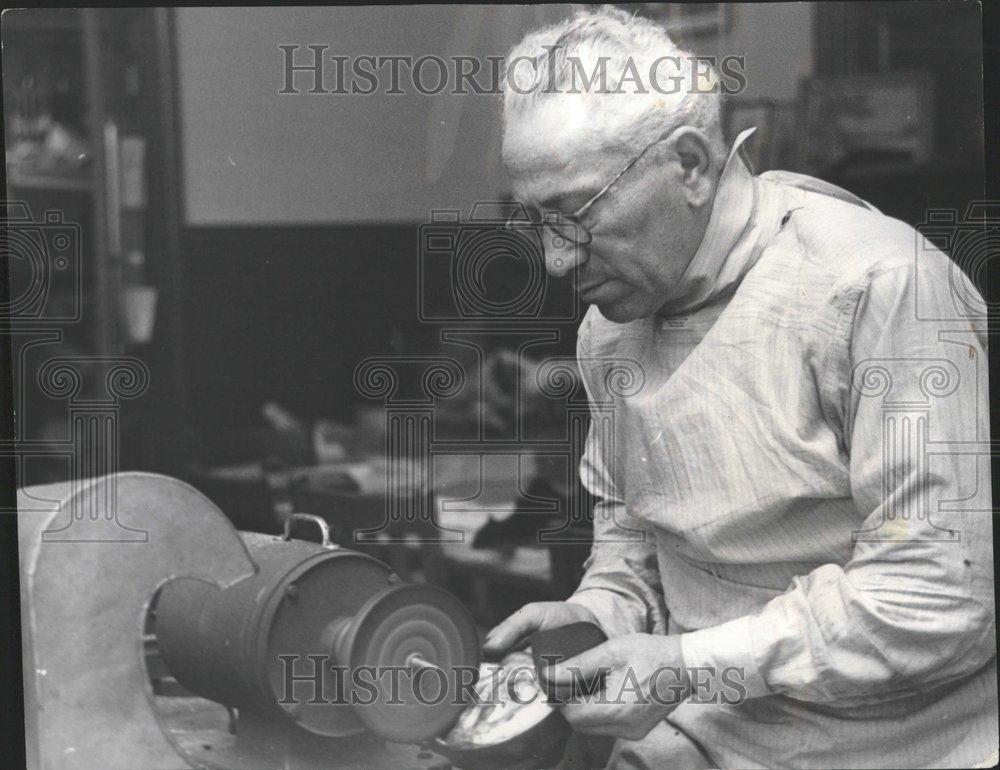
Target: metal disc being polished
422	644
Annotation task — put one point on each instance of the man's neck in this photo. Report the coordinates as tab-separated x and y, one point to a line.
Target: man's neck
709	273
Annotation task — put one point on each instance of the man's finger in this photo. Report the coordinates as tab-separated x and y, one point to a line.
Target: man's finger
598	719
514	629
594	718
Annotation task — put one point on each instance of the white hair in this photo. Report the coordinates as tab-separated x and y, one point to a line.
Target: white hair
565	55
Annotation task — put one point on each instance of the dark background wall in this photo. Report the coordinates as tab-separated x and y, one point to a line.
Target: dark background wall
284	310
292	315
275	313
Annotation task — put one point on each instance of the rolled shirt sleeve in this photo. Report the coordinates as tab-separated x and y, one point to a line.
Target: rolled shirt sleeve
913	607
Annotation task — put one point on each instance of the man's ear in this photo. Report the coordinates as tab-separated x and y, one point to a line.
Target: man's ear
697	165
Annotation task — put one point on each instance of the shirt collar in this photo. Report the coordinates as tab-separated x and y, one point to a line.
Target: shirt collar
726	252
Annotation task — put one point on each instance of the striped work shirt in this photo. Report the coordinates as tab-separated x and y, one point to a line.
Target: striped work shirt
793	474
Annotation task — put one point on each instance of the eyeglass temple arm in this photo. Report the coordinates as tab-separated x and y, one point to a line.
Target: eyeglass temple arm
583	209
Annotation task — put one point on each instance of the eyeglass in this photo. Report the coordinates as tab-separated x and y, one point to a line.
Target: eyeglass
570	227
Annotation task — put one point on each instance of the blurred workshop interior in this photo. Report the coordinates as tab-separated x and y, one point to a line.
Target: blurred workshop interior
256	250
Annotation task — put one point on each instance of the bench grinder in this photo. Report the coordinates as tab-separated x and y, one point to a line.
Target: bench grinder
109	564
291	641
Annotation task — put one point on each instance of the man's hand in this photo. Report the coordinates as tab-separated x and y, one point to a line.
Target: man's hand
644	681
539	616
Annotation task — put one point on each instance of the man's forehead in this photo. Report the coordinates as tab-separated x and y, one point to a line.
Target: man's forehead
556	130
558	142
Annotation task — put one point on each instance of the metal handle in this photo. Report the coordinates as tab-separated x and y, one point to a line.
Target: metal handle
317	520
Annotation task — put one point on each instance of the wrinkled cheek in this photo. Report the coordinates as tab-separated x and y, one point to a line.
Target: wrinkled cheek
612	256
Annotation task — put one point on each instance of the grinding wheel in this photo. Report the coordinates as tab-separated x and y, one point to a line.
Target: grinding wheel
428	641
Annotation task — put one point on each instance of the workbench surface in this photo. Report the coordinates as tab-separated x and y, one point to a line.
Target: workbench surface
199	728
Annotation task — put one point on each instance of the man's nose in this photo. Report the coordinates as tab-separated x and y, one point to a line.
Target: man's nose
562	256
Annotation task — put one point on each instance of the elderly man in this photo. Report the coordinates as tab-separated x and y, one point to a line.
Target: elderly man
793	551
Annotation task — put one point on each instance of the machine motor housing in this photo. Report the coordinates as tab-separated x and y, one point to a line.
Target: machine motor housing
289	642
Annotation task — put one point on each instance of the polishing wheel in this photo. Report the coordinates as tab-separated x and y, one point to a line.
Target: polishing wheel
323	638
422	637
